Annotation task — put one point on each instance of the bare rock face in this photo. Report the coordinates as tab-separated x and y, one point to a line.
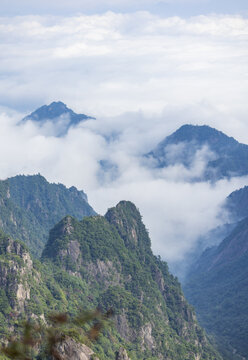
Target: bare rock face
69	349
18	266
104	272
73	251
123	328
147	339
122	354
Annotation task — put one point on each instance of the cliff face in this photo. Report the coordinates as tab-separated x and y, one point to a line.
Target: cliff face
112	255
15	268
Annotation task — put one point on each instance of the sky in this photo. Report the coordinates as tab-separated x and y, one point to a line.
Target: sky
161	7
143	69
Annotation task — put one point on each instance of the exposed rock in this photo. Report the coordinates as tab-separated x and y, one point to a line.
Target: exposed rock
122	326
17	268
68	228
22	294
104	271
69	349
147	340
122	354
160	280
73	249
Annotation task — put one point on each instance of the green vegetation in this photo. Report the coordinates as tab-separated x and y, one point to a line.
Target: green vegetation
42	341
100	262
112	255
218	289
30	207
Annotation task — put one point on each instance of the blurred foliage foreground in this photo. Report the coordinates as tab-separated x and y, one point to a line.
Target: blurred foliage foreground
40	341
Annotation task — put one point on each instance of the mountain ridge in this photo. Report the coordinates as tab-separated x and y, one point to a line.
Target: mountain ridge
30	206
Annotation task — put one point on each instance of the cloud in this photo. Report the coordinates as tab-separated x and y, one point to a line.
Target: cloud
175	211
113	63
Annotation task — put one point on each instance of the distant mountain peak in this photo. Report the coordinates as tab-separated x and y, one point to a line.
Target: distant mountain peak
222	156
56	113
199	133
56	108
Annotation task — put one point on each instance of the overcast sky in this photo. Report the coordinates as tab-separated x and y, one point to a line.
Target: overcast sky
161	7
142	68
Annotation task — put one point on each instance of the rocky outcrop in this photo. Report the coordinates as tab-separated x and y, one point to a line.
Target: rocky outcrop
147	340
122	354
15	267
104	272
123	327
73	251
69	349
130	228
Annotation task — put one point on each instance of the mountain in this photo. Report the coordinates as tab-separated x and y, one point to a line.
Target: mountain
218	289
30	290
30	206
208	153
237	204
152	319
57	113
112	255
102	262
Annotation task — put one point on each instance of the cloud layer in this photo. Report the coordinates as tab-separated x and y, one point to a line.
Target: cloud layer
175	211
113	63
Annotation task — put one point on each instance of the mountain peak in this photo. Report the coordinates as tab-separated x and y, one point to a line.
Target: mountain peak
56	113
128	222
56	108
200	133
217	154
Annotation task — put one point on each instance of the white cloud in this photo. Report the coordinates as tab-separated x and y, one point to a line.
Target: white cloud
113	63
175	211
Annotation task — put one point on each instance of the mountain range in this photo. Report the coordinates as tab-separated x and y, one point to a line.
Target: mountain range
102	262
206	153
